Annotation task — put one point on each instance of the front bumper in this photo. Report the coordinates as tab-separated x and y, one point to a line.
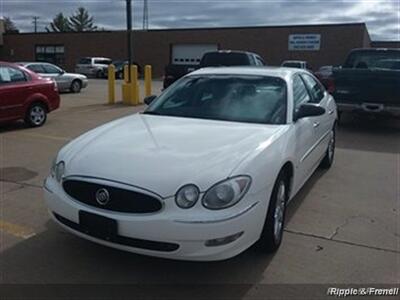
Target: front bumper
188	229
369	108
85	82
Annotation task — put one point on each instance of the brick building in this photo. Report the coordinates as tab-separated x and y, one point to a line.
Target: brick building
329	44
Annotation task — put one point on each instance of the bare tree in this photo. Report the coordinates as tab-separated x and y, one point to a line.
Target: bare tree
9	25
81	21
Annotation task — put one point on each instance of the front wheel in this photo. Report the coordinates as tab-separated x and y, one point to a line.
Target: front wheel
327	161
36	115
271	236
76	86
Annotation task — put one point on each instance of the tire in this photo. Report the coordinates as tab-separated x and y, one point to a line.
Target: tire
76	86
36	115
327	161
271	236
99	74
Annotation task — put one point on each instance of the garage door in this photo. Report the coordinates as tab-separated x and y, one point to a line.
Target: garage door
190	54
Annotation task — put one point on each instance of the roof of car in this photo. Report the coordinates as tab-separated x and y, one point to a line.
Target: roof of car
248	70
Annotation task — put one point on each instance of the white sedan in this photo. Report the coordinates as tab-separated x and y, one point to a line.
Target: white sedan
205	172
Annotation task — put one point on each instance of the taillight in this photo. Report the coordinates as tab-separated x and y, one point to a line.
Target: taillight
330	85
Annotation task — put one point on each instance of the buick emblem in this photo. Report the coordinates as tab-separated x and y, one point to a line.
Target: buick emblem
102	196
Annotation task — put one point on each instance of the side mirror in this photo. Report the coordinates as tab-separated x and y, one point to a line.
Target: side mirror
149	99
308	110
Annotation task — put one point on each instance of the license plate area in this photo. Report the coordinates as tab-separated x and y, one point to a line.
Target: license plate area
98	226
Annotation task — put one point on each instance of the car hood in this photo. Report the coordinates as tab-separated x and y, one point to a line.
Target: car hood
161	153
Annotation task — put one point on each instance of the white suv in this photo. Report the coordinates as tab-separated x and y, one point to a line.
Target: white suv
93	66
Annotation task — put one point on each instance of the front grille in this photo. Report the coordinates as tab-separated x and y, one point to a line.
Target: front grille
123	240
119	200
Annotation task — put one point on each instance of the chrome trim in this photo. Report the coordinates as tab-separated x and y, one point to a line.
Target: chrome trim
314	146
246	209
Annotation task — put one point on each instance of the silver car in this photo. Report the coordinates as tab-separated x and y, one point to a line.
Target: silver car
65	81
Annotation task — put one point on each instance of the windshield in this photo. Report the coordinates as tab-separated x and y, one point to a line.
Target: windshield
253	99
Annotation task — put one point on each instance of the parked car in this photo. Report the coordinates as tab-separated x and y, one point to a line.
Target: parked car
221	154
25	95
65	81
368	82
213	59
119	68
300	64
93	66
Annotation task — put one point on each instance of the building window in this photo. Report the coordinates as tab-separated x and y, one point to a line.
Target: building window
50	53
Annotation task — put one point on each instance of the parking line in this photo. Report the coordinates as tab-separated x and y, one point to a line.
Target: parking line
51	137
16	230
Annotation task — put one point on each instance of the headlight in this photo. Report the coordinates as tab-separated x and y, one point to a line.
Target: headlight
226	193
187	196
57	170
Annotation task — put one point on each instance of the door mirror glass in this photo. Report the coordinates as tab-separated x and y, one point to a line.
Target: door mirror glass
149	99
309	110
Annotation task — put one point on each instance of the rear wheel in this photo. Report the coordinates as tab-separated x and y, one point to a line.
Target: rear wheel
76	86
99	74
271	236
36	115
327	161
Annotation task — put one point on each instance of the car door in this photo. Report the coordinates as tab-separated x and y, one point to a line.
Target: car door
305	134
15	88
57	75
323	124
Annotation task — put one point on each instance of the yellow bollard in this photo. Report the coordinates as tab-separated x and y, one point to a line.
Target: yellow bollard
147	80
111	84
134	88
126	74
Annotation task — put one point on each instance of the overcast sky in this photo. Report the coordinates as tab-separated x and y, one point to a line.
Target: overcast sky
381	16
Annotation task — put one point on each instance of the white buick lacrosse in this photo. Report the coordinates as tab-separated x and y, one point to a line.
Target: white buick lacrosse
204	172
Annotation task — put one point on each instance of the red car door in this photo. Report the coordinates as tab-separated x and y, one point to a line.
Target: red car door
15	88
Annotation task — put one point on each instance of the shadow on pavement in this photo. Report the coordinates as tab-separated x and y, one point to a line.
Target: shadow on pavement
366	133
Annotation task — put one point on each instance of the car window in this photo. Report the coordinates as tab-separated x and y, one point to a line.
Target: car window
315	89
11	75
238	98
36	68
300	93
85	61
50	69
102	61
260	61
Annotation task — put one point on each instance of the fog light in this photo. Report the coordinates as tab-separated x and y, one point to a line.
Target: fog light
224	240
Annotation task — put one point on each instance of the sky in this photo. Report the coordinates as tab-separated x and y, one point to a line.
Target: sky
381	16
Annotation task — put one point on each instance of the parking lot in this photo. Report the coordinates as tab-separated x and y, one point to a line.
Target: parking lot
343	227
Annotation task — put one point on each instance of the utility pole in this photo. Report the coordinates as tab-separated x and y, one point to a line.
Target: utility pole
145	15
35	19
129	33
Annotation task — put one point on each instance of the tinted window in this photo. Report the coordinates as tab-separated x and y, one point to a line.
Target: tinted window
102	61
10	75
36	68
260	61
292	65
216	59
51	69
300	94
370	59
253	99
85	61
315	89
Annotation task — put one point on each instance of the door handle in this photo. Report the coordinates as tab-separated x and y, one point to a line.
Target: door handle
315	124
330	111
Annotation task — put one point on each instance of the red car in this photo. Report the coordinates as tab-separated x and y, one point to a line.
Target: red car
25	95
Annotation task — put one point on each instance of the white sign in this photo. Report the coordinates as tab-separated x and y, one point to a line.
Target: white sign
304	42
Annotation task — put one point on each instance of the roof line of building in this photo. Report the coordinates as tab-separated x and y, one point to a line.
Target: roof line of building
205	28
